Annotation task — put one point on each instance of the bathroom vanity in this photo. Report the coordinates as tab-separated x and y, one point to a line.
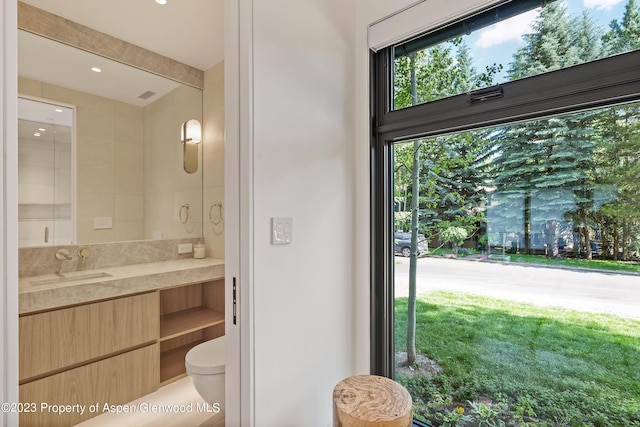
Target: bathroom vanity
111	336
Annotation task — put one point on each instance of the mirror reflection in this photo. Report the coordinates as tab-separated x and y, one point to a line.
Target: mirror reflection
127	179
45	196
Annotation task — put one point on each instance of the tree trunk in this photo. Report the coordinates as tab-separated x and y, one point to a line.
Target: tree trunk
527	222
587	242
624	239
606	244
552	239
371	401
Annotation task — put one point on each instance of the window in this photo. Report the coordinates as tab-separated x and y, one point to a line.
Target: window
524	290
508	42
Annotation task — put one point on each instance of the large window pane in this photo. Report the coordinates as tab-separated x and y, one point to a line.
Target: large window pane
527	274
472	55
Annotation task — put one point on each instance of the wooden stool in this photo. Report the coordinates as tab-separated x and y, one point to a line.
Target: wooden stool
370	400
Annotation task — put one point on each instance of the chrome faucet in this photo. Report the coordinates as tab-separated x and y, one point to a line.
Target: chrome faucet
63	254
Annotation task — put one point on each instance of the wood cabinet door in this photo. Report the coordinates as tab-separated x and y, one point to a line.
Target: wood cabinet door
114	381
54	340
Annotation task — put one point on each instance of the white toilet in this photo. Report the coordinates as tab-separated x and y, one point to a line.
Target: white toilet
205	365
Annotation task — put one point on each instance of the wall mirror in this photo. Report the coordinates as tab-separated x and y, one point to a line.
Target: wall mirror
127	177
45	180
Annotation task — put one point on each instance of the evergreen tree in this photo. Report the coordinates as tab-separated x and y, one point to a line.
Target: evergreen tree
587	43
550	47
541	180
618	151
625	36
542	174
619	171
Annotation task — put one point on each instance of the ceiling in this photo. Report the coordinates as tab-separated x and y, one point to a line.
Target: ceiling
188	31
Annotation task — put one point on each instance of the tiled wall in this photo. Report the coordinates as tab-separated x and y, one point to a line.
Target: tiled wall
213	162
167	185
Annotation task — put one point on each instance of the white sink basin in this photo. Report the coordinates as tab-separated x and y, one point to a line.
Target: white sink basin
70	277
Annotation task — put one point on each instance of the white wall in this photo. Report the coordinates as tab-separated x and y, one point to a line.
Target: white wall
303	136
299	62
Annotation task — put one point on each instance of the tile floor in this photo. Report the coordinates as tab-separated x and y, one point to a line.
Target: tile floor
179	394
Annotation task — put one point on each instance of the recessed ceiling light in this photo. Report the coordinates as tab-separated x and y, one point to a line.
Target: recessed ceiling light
96	69
161	1
36	134
58	110
42	129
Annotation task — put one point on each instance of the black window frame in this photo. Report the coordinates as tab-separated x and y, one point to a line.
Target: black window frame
596	84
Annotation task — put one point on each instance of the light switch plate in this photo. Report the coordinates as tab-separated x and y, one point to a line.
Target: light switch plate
102	222
281	231
185	248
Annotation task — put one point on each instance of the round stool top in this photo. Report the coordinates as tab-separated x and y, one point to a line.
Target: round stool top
371	398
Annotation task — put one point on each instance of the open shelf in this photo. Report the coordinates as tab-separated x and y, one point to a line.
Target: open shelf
172	366
183	322
189	315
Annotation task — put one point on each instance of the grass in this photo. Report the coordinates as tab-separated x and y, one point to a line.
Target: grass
440	251
579	263
531	366
608	265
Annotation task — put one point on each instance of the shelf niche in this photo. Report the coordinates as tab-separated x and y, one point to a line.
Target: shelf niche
189	315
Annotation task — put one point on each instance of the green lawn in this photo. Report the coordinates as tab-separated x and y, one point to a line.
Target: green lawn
579	263
610	265
525	365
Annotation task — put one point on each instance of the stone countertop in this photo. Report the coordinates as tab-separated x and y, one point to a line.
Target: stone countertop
122	281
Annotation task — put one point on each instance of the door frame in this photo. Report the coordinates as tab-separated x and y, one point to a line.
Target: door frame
9	213
238	84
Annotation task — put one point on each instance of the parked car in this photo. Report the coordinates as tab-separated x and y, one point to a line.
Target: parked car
402	243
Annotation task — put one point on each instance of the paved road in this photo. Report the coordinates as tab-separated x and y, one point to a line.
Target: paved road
585	291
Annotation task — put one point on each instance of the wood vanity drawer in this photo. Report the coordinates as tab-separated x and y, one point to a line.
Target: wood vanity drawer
113	381
58	339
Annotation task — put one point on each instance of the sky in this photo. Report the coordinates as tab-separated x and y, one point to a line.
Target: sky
498	42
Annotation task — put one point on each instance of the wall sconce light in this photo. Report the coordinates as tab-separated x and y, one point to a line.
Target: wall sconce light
190	136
